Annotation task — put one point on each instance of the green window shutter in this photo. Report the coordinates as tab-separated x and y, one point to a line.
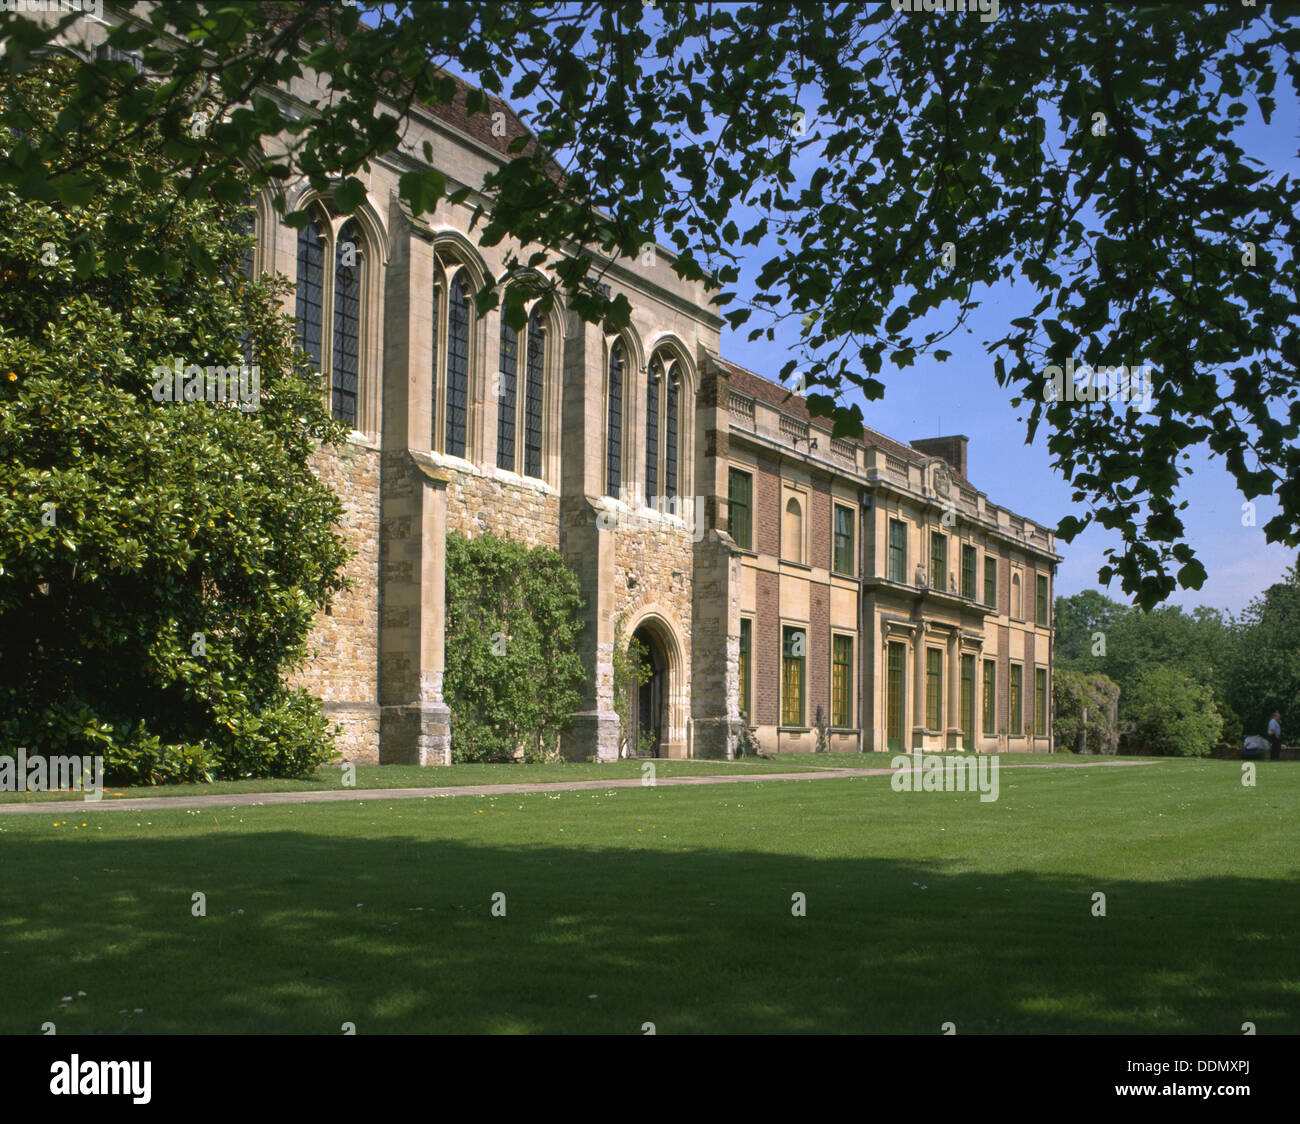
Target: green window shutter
842	682
897	551
990	697
739	506
933	688
842	554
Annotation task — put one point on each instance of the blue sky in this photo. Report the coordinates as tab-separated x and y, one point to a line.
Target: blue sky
961	395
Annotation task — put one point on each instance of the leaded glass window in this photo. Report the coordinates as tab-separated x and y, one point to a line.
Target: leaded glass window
614	423
345	360
670	439
458	315
310	304
506	392
652	433
536	368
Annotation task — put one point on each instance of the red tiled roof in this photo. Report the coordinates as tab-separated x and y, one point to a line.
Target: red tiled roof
744	381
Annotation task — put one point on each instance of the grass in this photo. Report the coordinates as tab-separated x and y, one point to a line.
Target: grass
671	906
370	777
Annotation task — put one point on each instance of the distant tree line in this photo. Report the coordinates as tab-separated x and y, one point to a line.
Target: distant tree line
1186	680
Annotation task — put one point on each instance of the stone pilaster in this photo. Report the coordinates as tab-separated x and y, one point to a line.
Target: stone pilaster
715	592
954	690
414	721
585	545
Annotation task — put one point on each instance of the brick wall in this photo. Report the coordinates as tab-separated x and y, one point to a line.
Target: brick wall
767	506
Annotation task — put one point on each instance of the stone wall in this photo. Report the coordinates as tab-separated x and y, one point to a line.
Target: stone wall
490	501
343	668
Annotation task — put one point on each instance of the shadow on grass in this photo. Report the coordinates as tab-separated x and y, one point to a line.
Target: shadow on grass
305	932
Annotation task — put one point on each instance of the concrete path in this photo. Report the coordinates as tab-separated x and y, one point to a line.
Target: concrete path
331	796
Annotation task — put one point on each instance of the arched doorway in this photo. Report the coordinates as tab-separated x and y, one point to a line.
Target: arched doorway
649	710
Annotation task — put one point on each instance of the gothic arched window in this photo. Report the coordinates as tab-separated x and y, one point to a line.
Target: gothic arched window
614	422
310	304
506	392
457	378
345	364
534	368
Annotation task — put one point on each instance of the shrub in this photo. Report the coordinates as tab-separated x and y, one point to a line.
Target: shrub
1170	714
513	673
161	563
1072	693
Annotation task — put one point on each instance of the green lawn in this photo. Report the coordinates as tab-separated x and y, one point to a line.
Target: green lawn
414	776
672	906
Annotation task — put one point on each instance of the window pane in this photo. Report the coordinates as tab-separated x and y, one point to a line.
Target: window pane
938	561
990	697
310	304
433	397
841	681
506	382
969	556
653	383
991	582
1040	701
843	552
968	701
897	551
670	438
792	662
345	363
746	639
614	423
1017	716
738	508
458	314
1041	616
535	367
933	688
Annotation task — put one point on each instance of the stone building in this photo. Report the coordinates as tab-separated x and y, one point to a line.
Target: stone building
777	576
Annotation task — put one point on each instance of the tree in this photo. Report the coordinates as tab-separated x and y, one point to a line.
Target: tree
1170	714
1266	672
513	672
1097	635
161	562
1088	152
1073	692
1081	624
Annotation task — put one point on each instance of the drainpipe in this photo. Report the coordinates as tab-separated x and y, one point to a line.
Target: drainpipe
864	506
1051	666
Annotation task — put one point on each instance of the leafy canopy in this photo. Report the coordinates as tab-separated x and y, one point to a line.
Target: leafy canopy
1087	152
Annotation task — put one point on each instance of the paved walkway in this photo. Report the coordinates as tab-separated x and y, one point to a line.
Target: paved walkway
334	795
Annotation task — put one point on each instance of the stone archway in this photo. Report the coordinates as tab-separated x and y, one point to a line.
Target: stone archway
648	711
658	712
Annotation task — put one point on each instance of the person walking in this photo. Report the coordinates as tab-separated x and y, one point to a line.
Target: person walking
1275	736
